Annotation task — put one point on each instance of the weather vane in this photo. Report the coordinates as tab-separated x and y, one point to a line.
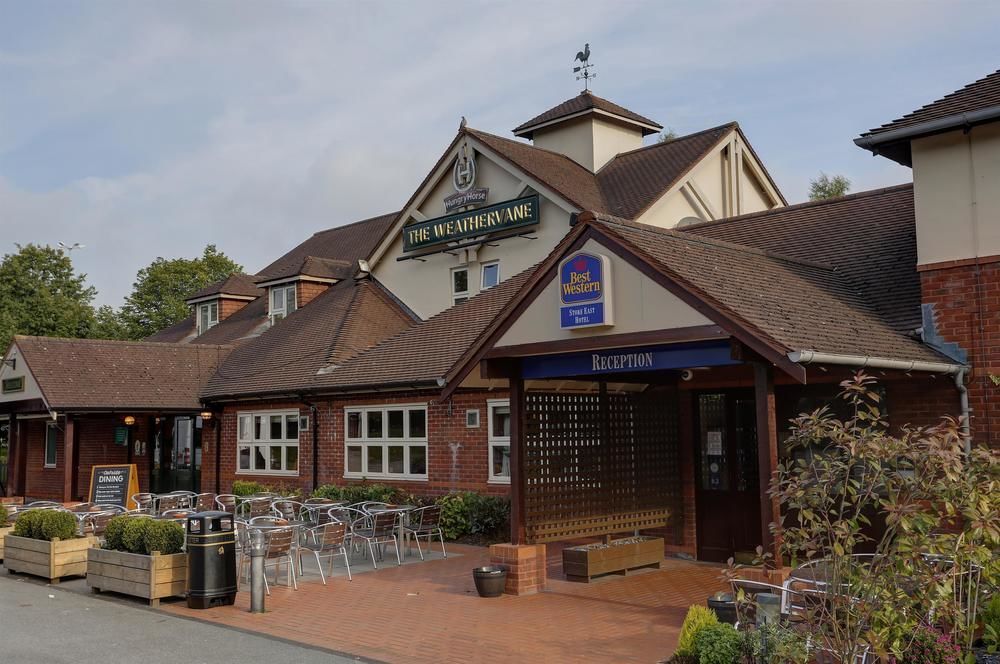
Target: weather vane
583	71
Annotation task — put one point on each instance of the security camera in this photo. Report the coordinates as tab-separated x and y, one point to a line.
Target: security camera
687	374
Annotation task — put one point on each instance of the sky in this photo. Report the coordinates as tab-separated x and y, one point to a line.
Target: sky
144	129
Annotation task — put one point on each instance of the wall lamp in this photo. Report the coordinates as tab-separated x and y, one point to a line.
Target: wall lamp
129	420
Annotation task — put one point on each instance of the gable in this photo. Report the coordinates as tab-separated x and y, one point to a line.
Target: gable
19	372
639	305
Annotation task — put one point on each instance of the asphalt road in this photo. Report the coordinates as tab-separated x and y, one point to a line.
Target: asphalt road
40	624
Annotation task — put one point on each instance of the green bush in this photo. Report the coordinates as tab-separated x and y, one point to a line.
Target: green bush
134	535
167	537
468	513
4	516
698	618
46	525
114	533
990	616
783	646
364	492
248	488
718	644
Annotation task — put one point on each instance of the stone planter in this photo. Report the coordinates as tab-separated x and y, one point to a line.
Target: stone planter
50	560
490	581
150	577
3	533
582	563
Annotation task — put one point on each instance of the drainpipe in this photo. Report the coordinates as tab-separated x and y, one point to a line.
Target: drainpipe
963	398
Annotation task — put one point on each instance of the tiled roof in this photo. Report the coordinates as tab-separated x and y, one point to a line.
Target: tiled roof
633	181
791	303
237	284
95	374
245	323
869	237
182	330
313	266
347	243
976	96
345	320
430	349
584	101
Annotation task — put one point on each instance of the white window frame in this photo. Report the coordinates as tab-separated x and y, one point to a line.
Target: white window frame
275	314
208	307
407	442
245	438
482	275
53	430
496	440
472	418
459	296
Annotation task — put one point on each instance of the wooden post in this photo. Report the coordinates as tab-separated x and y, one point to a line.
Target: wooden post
13	455
68	459
767	455
517	464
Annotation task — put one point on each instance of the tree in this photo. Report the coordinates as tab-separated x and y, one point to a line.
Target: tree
41	294
108	324
825	187
667	135
159	291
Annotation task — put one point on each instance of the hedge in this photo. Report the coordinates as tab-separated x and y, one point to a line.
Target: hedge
469	513
143	535
46	525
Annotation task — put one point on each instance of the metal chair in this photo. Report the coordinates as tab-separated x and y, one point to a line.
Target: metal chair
242	548
425	522
144	501
327	541
168	502
287	509
279	550
227	502
369	505
377	529
203	502
268	520
95	523
253	507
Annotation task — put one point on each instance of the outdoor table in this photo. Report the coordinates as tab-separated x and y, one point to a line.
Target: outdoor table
403	511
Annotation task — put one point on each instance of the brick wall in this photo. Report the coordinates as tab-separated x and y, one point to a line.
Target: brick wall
966	300
229	306
306	291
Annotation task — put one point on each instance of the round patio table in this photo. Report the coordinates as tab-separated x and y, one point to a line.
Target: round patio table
403	511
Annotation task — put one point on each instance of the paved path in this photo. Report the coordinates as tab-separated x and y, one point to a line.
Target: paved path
40	624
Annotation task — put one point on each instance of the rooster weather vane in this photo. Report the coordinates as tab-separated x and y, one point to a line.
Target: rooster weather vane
583	71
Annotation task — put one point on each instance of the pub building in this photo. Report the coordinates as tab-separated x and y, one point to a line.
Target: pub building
613	333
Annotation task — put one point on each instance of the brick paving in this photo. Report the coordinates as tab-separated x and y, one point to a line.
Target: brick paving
430	612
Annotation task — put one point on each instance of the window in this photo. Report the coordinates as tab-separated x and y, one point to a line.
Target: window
208	316
499	437
388	442
491	274
50	445
268	442
282	302
459	285
472	419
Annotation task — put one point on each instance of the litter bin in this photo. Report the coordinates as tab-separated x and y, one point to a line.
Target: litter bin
211	549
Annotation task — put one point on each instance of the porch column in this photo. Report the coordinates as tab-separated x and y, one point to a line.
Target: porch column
767	454
68	465
517	465
13	456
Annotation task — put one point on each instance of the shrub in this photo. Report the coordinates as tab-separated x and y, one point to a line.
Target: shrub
698	618
468	513
27	524
248	488
114	533
718	644
364	492
46	525
3	516
929	646
454	520
990	616
783	646
167	537
134	535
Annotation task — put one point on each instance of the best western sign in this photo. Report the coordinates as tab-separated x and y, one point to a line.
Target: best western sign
585	291
482	221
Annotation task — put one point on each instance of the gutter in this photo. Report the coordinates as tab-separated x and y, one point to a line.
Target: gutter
948	122
957	371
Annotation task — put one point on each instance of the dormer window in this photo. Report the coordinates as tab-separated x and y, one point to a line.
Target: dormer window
208	316
282	302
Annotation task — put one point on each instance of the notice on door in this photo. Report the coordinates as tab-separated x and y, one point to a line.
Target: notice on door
114	485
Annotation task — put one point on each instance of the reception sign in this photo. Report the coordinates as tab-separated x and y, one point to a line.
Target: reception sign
481	221
113	485
585	291
629	360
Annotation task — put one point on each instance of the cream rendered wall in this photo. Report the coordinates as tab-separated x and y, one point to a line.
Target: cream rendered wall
640	304
425	286
31	389
589	140
956	198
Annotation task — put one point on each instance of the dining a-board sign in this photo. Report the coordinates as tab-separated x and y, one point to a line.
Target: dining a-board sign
114	485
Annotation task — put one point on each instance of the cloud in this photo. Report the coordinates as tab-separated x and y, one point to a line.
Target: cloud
147	129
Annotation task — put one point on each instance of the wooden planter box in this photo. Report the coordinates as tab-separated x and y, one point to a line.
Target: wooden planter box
50	560
3	533
151	577
582	563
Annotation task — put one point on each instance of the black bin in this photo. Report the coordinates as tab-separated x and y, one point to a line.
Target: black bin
211	549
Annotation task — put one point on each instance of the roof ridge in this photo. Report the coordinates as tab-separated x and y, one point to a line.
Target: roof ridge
800	206
355	223
119	342
729	125
711	241
531	146
931	103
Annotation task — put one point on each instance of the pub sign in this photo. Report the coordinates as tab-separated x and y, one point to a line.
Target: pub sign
481	221
585	291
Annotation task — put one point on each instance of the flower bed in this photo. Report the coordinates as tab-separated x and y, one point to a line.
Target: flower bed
44	543
582	563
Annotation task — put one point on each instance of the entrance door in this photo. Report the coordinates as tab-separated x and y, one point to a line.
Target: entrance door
4	455
175	459
728	499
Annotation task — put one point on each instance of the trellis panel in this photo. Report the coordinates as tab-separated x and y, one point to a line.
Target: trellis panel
597	464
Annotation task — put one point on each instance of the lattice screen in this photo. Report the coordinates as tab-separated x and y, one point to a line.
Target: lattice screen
597	465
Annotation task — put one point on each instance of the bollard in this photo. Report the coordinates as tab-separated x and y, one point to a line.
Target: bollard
257	550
